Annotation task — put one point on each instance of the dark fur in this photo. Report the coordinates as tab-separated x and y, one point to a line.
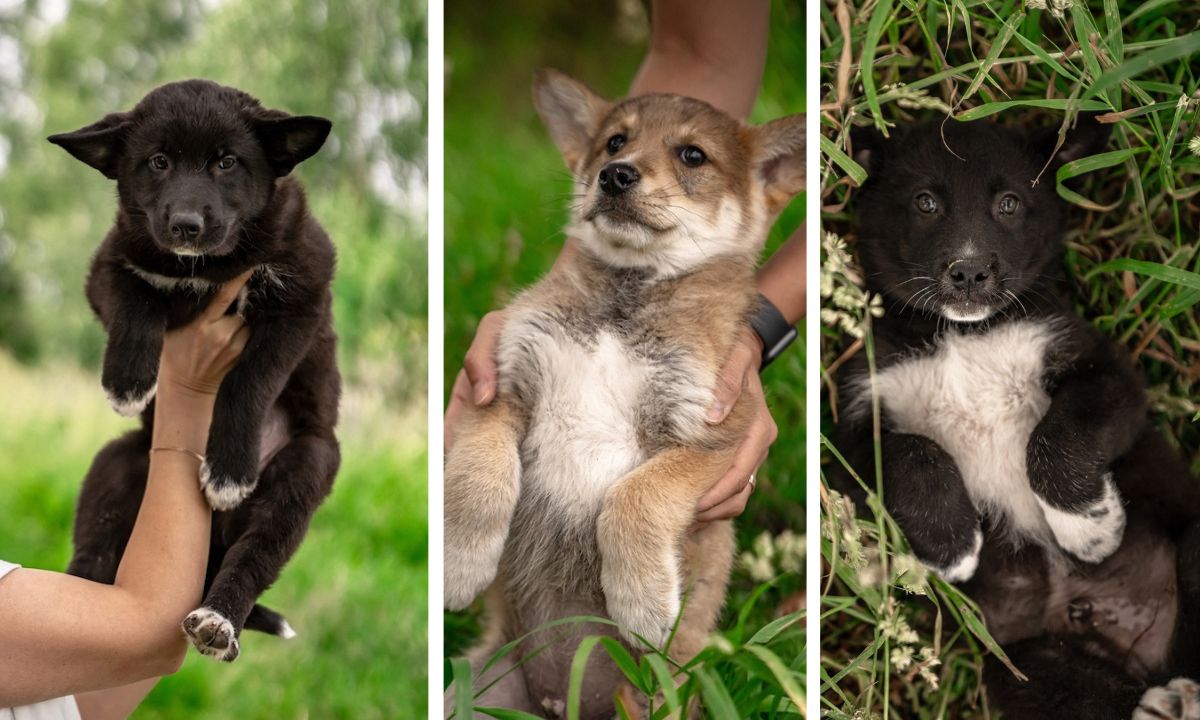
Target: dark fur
254	216
1042	610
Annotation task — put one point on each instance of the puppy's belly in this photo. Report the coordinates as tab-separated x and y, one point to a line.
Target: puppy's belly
979	397
583	427
276	433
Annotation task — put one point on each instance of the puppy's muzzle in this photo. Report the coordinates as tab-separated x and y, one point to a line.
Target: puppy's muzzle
971	274
617	178
185	227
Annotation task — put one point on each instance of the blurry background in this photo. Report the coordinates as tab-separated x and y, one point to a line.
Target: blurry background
356	590
506	198
896	640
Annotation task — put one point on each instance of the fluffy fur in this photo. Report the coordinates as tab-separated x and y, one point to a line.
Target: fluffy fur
1017	452
573	492
203	195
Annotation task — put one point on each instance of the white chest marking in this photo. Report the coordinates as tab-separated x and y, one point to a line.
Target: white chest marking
583	427
269	274
979	397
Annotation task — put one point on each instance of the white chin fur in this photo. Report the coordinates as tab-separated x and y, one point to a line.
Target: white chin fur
967	312
187	252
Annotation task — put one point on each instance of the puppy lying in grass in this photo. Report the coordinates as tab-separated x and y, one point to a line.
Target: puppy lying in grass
572	493
1017	452
204	194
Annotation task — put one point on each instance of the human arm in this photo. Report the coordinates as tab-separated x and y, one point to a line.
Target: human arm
64	635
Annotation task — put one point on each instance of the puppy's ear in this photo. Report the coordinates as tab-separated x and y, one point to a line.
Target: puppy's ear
867	146
1087	137
289	140
99	144
779	159
570	110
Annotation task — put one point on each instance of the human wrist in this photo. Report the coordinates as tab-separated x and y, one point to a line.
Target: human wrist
182	417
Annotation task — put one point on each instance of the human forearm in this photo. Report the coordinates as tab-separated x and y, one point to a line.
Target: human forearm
781	278
713	50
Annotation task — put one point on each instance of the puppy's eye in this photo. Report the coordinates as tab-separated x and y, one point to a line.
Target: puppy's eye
1008	204
227	162
926	203
158	161
615	143
692	156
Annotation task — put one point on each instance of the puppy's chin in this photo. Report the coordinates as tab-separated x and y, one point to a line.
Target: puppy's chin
967	311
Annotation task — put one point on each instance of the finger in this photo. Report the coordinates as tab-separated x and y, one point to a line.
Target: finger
727	510
730	383
237	343
225	296
460	396
226	326
730	484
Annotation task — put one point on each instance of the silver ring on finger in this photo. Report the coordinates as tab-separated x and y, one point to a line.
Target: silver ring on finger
753	482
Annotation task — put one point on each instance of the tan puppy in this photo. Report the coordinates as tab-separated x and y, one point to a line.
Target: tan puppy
572	493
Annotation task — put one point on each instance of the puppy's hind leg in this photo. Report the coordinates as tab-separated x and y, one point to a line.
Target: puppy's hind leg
293	484
483	481
1064	682
108	506
641	531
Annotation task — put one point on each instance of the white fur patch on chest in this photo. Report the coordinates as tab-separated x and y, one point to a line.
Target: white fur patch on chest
979	396
590	397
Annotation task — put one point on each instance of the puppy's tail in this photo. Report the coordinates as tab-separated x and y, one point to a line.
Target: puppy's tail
268	621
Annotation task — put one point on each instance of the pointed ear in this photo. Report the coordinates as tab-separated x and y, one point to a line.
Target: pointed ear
867	146
1086	137
99	144
570	110
779	159
289	140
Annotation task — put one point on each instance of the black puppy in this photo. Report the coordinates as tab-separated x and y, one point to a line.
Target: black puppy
1017	452
203	195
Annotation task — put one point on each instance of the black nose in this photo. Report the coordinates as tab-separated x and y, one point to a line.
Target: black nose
970	273
616	178
186	226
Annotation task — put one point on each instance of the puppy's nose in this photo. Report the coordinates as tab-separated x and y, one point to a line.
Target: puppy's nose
186	226
616	178
970	273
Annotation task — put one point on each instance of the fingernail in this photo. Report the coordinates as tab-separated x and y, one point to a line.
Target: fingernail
483	393
716	413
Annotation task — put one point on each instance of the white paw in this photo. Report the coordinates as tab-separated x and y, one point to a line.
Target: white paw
467	572
130	405
1178	700
222	492
1091	534
649	609
285	631
212	634
962	569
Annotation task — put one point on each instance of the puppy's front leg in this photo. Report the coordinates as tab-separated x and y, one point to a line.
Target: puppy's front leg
640	533
276	347
1097	410
135	316
483	481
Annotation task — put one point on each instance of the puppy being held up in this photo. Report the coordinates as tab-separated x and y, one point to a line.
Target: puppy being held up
572	493
203	195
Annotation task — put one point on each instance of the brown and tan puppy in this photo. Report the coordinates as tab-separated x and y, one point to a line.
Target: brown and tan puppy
572	493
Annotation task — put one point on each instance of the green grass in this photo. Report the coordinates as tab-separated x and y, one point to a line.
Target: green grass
505	207
1131	256
355	591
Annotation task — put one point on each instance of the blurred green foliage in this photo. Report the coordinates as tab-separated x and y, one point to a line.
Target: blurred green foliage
506	203
356	589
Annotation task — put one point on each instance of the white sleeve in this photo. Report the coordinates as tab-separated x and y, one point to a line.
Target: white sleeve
57	709
6	568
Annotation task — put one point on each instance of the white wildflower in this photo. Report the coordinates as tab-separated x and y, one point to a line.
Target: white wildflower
902	657
910	574
1194	146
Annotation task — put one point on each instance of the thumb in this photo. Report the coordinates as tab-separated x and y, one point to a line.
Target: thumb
730	383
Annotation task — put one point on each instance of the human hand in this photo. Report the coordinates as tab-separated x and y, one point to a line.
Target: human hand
197	356
727	498
476	382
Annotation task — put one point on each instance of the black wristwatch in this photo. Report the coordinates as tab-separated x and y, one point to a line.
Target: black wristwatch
773	329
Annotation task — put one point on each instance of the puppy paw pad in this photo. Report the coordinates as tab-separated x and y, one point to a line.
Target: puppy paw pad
1177	700
212	634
